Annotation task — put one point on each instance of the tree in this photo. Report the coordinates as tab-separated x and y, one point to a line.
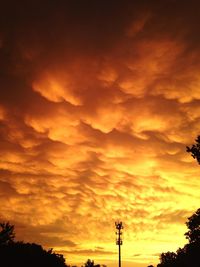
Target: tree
31	255
90	263
195	149
7	234
25	254
193	224
167	259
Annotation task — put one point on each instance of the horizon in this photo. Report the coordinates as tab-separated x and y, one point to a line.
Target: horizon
98	102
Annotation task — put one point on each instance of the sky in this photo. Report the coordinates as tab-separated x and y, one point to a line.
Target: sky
98	101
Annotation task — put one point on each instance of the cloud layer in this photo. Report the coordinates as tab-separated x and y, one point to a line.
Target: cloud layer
98	102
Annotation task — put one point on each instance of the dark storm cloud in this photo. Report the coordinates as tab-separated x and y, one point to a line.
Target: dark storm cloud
55	24
41	35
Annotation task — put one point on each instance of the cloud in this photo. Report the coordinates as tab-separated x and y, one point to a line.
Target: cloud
98	101
90	252
173	217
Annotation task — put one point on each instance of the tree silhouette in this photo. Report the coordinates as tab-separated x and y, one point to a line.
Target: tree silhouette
167	259
31	255
90	263
7	234
195	149
25	254
189	255
193	224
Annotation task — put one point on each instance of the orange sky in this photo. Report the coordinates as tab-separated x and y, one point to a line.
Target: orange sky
98	100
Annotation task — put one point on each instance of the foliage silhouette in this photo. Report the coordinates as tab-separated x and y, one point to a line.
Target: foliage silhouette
7	234
193	224
195	149
168	258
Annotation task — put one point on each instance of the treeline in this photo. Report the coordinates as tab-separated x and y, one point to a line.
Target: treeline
22	254
17	253
189	255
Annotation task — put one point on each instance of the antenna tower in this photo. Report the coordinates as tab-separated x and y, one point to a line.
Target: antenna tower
119	228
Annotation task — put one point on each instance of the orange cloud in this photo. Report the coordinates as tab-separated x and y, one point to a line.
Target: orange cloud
56	89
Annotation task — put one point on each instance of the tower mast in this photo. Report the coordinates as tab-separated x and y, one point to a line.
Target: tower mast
119	228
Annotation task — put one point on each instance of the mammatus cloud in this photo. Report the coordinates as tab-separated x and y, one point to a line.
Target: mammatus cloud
98	102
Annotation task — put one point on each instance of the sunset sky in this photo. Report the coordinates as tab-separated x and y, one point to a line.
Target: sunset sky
98	101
